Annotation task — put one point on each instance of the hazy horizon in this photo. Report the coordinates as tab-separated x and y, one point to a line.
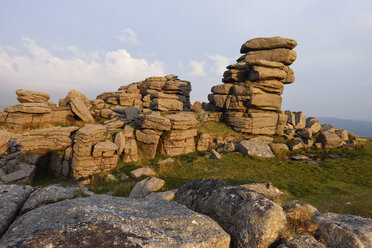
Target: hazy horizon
95	46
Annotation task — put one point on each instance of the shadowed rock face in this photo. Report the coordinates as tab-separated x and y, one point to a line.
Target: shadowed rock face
106	221
12	198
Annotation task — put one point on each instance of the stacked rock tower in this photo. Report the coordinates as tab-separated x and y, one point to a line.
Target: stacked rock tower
250	97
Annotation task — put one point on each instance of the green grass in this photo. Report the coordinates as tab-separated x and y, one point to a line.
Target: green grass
218	129
338	185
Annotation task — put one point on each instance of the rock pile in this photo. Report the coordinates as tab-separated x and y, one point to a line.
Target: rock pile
171	135
250	97
302	132
156	93
90	153
180	138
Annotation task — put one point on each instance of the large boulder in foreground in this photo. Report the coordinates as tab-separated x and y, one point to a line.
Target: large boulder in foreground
251	219
107	221
12	198
344	231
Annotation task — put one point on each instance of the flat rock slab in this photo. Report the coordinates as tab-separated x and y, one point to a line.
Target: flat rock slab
12	198
81	110
107	221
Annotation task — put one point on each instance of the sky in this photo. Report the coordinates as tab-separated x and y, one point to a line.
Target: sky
96	46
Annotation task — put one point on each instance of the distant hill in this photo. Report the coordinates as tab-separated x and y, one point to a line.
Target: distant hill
360	128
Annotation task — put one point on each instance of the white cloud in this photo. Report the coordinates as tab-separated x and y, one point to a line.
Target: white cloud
128	35
43	71
220	63
197	68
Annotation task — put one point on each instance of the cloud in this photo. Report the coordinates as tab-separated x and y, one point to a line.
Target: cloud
128	35
197	68
41	70
220	63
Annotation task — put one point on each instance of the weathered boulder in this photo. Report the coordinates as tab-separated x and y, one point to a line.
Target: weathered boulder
266	189
119	140
266	101
81	110
53	193
166	195
300	119
17	173
12	198
130	151
327	127
162	104
166	161
144	171
104	149
126	114
71	94
147	141
197	106
98	103
297	144
5	137
146	186
156	122
182	121
257	148
305	133
302	241
343	231
268	43
279	146
343	134
227	147
254	123
215	155
26	96
250	219
203	141
107	221
107	113
283	55
313	124
329	139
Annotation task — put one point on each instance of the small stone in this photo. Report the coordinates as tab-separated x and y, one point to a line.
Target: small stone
110	177
166	161
215	155
144	171
167	195
146	186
